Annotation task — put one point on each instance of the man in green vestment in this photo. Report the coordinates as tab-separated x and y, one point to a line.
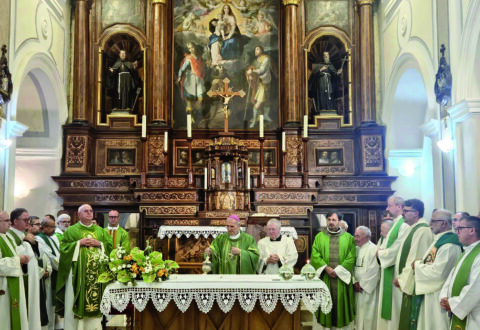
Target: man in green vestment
63	222
78	292
233	252
118	234
333	255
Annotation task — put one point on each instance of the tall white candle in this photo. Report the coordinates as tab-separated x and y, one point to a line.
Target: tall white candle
261	126
205	178
248	178
165	142
189	126
144	126
284	146
305	126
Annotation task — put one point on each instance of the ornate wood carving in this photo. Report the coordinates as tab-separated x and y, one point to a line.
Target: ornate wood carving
160	196
118	198
155	151
76	154
280	196
169	210
340	198
294	150
347	166
100	184
285	210
294	182
184	222
372	151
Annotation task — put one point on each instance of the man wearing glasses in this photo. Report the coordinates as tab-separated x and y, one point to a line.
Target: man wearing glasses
118	234
390	297
13	308
460	295
432	270
63	222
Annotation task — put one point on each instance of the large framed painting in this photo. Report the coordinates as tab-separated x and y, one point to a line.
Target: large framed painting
214	40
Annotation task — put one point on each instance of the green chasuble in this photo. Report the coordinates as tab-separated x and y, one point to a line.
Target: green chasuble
334	249
85	271
224	262
13	287
119	237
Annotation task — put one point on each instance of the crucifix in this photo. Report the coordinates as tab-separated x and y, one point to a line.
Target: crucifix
226	94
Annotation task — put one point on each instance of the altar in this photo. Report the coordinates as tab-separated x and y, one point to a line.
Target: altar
221	301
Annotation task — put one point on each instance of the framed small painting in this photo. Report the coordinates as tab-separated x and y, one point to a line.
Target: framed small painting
328	157
121	157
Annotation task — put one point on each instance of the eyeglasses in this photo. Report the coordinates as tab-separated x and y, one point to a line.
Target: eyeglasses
36	224
460	228
50	226
113	216
437	220
64	221
6	220
406	211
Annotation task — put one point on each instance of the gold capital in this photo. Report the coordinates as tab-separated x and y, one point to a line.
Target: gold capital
163	2
290	2
365	2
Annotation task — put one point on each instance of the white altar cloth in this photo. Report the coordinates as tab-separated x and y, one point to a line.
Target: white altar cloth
207	231
225	289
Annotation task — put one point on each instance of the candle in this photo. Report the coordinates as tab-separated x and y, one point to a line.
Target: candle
248	178
261	126
144	126
284	146
189	126
205	178
305	126
165	142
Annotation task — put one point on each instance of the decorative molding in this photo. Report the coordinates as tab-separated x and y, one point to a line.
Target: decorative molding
117	170
352	183
76	151
169	210
184	222
255	144
155	151
464	110
290	2
294	182
119	198
264	196
200	143
168	196
177	182
294	150
285	210
272	182
332	198
365	2
115	184
163	2
372	151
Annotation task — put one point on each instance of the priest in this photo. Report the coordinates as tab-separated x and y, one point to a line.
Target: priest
366	277
460	295
418	239
118	234
63	222
390	297
333	255
13	307
431	272
233	252
78	293
275	250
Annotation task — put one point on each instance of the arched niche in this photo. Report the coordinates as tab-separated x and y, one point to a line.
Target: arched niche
328	83
114	40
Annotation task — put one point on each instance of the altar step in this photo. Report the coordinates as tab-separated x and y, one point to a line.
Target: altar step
307	319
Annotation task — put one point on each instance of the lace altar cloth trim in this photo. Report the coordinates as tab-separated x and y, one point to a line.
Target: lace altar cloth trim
207	231
224	289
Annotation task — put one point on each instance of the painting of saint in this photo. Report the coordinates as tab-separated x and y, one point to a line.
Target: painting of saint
123	11
224	38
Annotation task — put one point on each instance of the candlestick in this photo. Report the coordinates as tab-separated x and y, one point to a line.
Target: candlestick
248	178
261	126
144	126
189	126
305	126
284	146
165	142
205	178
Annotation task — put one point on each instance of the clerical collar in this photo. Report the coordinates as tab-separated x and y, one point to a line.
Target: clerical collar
91	224
113	228
235	236
21	234
278	239
338	232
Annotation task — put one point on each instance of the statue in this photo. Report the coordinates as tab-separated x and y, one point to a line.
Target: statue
6	86
124	80
443	80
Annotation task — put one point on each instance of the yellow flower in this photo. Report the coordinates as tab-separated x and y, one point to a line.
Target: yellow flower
127	258
162	272
135	268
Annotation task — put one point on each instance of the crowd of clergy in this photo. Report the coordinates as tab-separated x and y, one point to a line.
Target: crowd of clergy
422	274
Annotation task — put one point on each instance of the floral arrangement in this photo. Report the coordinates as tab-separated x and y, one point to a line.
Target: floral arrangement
136	265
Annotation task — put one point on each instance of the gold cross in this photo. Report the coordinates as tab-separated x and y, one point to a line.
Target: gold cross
226	94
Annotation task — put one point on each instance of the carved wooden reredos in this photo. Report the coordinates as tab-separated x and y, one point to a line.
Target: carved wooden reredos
340	163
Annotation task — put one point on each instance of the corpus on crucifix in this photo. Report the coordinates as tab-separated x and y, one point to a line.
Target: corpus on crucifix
226	94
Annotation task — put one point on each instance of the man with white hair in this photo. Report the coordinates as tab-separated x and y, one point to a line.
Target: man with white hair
275	250
366	277
78	292
63	222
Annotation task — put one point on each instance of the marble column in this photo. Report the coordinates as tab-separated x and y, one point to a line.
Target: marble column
81	62
367	62
290	68
160	71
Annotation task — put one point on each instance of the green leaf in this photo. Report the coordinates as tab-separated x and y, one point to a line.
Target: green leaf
171	264
149	278
123	276
106	277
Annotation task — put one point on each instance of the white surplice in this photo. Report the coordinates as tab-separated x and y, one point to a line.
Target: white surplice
429	279
421	240
10	267
467	304
367	274
387	258
285	248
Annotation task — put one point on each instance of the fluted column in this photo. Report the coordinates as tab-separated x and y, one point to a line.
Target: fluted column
160	76
290	93
367	61
81	62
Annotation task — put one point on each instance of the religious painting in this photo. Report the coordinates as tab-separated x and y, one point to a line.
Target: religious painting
199	157
218	39
328	79
123	11
120	157
329	157
182	157
327	12
269	157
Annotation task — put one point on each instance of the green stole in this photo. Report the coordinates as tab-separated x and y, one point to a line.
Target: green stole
460	281
53	276
13	288
224	262
17	239
18	242
406	310
386	312
448	238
